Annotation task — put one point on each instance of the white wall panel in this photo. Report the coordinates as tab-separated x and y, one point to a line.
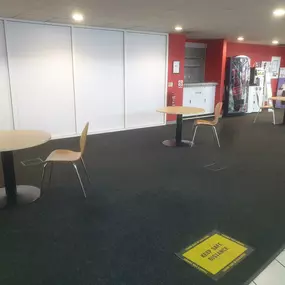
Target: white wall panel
40	62
99	78
145	57
6	118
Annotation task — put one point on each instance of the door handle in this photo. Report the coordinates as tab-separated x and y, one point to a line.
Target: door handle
190	101
205	100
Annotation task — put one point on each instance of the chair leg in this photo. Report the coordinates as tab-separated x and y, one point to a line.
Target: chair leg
274	118
216	134
79	178
43	176
84	166
256	116
194	135
50	173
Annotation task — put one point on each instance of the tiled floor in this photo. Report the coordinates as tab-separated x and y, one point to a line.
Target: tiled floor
274	274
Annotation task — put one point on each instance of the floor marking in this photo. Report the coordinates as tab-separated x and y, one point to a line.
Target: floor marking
32	162
208	165
215	254
215	167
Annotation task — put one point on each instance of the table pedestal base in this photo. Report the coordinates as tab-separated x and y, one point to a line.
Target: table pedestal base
173	143
25	195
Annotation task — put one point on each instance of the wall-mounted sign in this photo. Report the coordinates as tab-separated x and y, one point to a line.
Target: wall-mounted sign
180	83
275	66
176	66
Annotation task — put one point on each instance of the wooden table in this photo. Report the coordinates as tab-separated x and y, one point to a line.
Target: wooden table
9	142
179	111
279	98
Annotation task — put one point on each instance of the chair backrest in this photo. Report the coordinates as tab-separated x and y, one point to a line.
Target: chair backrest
83	138
218	110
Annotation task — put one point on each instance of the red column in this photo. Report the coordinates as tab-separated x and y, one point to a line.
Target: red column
176	52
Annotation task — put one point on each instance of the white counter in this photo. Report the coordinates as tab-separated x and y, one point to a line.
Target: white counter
200	84
201	95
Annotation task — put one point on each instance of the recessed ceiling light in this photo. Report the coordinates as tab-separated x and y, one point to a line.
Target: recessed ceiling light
77	17
275	42
279	12
240	39
178	28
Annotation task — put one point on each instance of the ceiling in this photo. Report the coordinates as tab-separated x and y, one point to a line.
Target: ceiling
200	18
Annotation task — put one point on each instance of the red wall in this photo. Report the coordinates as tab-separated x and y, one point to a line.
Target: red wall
257	53
176	51
215	65
217	52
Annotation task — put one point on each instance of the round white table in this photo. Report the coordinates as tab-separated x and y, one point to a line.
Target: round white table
179	111
10	141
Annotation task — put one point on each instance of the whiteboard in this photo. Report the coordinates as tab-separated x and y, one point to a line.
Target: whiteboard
145	59
40	62
6	118
99	79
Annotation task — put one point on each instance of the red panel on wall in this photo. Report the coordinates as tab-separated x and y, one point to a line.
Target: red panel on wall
176	52
215	65
258	53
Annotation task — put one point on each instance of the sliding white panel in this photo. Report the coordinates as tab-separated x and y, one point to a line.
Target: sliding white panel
145	58
40	61
6	118
99	78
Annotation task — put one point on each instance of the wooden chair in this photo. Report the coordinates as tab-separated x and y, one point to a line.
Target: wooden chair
65	155
263	107
211	124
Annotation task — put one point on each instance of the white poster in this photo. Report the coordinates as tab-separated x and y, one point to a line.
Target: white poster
282	72
275	66
176	67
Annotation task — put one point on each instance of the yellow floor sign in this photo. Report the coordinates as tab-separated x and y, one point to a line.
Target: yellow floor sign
215	254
